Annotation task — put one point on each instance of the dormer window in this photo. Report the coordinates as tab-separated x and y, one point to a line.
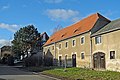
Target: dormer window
63	35
51	39
76	30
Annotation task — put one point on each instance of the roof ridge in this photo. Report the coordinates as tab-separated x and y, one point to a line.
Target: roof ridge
78	21
102	16
85	24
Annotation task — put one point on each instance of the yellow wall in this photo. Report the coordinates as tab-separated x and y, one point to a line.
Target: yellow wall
77	49
110	42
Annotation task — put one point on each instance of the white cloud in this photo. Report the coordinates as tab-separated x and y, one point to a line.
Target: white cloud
75	19
4	42
12	28
5	7
53	1
61	14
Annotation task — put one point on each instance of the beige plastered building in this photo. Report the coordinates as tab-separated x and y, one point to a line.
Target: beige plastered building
92	42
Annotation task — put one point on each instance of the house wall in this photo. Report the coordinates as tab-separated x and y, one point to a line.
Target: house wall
5	52
0	53
77	49
110	42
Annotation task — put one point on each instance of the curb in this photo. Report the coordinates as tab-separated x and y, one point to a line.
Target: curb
45	76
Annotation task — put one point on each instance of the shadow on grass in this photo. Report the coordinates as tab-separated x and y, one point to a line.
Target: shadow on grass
38	69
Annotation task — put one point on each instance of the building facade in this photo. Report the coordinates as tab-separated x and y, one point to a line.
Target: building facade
106	47
72	46
86	44
6	50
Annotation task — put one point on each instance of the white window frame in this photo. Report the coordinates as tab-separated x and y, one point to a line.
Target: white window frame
59	47
74	53
114	55
52	47
81	55
74	43
99	40
61	58
83	40
67	44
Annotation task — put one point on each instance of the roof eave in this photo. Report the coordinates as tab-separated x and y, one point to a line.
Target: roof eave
67	38
105	32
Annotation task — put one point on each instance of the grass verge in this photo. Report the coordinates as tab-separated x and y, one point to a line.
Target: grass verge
82	74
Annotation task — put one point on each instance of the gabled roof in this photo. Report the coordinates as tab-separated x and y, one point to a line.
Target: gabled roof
43	33
82	26
112	26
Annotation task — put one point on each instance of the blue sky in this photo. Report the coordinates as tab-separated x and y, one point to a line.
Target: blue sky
45	15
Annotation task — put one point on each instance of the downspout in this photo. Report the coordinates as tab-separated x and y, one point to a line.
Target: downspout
91	59
55	54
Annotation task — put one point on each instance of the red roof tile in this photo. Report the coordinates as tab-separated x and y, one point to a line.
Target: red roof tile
82	26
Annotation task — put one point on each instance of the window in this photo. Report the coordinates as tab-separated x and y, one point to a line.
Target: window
59	46
82	40
66	44
73	42
52	47
49	48
98	40
60	60
82	56
65	60
112	54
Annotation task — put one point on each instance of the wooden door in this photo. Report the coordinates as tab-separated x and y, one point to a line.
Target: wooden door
74	60
60	61
99	60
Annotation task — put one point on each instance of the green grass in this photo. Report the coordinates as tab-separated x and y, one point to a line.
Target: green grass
82	74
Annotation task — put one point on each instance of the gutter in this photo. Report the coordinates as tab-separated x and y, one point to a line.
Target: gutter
67	38
101	33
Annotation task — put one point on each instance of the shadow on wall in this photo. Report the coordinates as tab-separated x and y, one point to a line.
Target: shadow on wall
48	58
66	62
34	60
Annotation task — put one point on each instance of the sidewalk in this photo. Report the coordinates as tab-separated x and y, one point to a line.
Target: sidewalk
2	79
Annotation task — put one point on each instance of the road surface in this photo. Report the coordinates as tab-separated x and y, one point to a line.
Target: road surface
12	73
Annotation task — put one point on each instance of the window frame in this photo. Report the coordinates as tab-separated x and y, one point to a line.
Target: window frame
59	46
98	40
53	47
60	61
112	56
82	40
74	43
67	44
82	55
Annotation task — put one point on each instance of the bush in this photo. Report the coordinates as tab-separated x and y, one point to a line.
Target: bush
10	61
32	61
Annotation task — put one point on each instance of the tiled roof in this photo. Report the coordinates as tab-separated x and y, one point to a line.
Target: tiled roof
82	26
113	25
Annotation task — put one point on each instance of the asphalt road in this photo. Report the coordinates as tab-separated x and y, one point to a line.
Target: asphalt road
12	73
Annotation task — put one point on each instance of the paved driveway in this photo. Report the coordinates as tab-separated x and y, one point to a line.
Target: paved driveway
12	73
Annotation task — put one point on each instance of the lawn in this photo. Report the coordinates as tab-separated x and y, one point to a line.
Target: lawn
82	74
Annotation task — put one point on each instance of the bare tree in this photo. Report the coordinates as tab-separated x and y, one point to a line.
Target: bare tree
59	27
